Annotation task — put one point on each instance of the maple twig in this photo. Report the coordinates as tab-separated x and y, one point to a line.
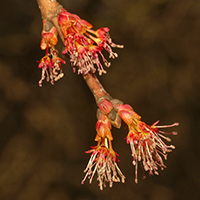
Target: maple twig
84	45
49	11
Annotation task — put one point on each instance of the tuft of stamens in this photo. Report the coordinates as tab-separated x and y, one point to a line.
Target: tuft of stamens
147	146
103	163
84	45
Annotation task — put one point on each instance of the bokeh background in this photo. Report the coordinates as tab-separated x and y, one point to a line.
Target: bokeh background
45	131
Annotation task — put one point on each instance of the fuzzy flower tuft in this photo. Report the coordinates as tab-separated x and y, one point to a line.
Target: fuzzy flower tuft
50	63
145	141
84	45
103	162
51	67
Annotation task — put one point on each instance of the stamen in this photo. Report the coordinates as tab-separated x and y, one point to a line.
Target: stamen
136	175
166	138
167	126
103	160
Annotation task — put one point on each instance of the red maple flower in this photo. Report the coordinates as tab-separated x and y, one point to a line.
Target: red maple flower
51	67
103	162
145	141
83	44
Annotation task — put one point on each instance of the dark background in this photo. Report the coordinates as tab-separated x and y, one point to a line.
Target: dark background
45	131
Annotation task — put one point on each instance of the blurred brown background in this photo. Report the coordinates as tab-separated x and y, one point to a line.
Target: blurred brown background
45	131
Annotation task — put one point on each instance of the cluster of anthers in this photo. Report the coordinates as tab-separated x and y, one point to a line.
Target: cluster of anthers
82	44
50	63
147	146
103	158
145	141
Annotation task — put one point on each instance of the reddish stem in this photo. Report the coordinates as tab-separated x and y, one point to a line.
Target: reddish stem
96	88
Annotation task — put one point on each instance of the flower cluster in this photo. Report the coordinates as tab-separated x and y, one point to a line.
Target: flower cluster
147	146
103	160
84	45
50	63
145	141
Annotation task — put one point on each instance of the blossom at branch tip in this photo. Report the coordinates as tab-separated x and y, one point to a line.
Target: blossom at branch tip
103	159
50	63
51	67
83	44
145	141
